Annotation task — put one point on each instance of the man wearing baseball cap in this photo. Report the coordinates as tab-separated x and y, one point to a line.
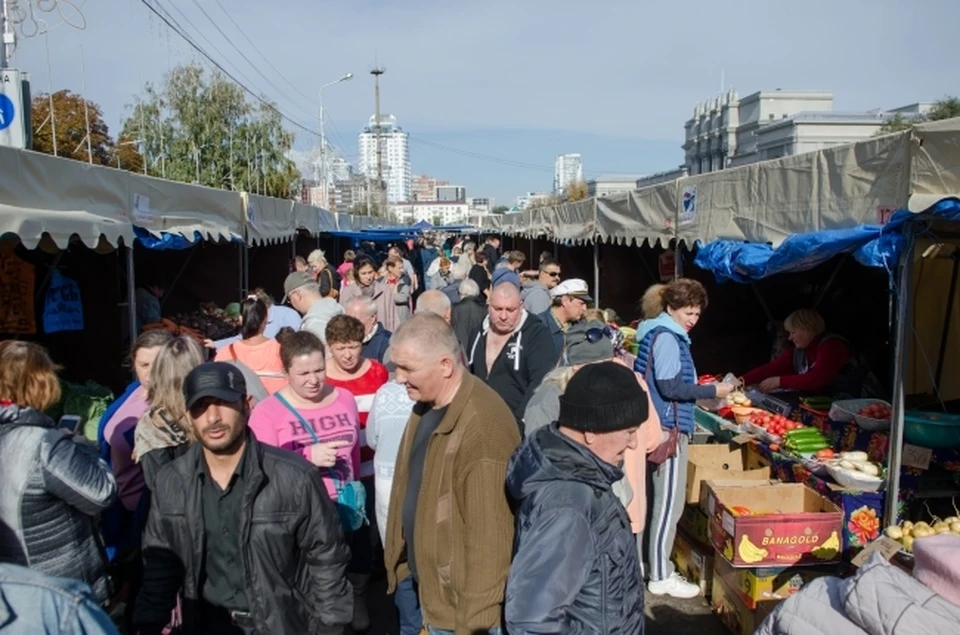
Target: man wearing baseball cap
201	538
561	478
570	299
303	294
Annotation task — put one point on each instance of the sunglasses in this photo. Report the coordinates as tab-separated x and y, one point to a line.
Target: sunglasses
595	335
553	274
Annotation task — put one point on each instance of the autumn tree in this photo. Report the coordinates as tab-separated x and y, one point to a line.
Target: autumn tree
946	108
198	127
576	191
70	112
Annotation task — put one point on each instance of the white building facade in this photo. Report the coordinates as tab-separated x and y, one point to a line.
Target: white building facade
436	212
611	185
395	150
567	169
525	200
728	131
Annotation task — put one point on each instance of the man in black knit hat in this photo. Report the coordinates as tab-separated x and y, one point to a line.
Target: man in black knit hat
575	567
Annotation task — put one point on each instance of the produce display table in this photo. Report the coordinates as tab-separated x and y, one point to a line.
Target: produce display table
848	436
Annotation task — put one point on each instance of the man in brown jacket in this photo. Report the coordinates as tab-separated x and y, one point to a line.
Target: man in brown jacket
450	527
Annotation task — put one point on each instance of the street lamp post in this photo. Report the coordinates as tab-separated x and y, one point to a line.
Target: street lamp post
323	140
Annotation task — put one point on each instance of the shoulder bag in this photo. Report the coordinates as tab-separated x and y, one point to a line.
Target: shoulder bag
667	449
351	495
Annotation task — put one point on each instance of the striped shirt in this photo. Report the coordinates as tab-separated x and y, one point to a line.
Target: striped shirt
363	388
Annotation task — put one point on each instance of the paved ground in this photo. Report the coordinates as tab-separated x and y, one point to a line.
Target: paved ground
665	616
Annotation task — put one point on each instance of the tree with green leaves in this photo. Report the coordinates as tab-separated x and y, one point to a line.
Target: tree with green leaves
946	108
500	209
198	127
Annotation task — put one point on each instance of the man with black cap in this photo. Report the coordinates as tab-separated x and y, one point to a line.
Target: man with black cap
246	532
561	478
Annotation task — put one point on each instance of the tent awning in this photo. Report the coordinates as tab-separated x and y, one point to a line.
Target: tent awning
871	245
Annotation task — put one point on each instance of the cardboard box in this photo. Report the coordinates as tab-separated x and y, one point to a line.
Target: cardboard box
713	462
777	524
733	612
694	562
756	586
696	525
755	460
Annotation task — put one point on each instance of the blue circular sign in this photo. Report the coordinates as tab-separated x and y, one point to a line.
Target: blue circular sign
7	112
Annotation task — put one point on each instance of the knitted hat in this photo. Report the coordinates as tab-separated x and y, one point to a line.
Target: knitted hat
586	342
603	397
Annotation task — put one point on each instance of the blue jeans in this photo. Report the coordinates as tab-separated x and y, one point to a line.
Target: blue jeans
436	631
408	607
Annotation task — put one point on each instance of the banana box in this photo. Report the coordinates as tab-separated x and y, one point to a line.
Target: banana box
734	612
694	562
755	586
773	525
695	524
716	461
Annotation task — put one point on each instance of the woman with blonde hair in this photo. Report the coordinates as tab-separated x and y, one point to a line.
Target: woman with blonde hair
817	362
54	482
164	431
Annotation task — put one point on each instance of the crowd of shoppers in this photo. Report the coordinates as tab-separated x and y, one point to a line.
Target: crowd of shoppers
438	414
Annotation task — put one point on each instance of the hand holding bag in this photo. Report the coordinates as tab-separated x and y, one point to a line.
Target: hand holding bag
351	495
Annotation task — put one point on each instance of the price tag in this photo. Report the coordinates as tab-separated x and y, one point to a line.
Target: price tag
887	547
141	209
916	457
740	439
727	522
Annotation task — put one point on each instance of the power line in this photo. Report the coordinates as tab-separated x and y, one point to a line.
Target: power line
482	157
336	132
169	21
248	61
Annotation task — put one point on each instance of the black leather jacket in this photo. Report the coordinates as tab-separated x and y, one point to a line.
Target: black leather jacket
53	486
293	550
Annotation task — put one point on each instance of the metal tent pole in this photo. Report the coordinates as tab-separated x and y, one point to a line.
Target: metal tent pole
596	274
131	295
899	379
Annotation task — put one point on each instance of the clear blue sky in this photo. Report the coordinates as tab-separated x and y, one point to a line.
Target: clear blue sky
520	79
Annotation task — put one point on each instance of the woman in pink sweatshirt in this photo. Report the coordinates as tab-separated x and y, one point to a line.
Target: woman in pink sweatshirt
309	417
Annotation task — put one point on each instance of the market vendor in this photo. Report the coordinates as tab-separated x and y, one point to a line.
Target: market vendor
818	362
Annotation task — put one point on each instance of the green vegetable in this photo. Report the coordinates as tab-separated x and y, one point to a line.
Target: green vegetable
810	446
804	433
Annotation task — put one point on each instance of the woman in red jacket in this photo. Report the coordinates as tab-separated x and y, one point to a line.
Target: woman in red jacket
818	362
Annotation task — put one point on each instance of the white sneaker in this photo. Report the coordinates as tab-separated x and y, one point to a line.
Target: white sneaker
675	586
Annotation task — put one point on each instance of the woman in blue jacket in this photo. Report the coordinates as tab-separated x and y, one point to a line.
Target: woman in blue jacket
665	361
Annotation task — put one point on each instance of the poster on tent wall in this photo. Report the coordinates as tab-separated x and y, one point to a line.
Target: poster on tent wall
688	205
16	295
62	310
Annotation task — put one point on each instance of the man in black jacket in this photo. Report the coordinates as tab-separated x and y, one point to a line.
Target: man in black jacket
511	351
246	532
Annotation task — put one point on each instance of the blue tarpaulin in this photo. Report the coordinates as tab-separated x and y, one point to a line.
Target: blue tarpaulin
871	245
168	242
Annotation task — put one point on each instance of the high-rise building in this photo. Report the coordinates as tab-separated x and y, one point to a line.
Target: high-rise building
350	193
451	193
424	188
567	169
395	156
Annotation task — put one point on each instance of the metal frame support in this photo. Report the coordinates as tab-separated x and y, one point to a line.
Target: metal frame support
596	274
131	295
899	378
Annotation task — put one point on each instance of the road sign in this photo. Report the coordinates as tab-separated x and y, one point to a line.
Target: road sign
12	130
7	112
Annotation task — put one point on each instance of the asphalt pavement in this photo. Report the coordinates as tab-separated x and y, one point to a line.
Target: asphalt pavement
665	615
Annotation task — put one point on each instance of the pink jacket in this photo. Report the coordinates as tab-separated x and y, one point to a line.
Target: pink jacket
649	436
